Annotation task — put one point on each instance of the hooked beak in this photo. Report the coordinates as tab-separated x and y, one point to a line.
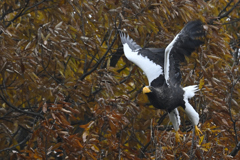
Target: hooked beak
146	90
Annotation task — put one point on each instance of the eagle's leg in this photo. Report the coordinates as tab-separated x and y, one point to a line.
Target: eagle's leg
175	119
197	131
177	137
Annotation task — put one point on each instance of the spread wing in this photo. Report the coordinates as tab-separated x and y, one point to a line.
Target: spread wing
185	42
150	60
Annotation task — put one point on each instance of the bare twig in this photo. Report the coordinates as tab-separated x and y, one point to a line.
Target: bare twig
229	109
79	14
19	110
235	150
13	147
146	146
103	57
162	118
22	142
119	146
220	16
224	9
193	141
22	12
127	77
232	21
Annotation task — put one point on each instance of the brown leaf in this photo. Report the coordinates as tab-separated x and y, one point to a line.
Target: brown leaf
44	108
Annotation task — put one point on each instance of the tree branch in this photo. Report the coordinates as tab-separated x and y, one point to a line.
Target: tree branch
224	9
235	150
228	12
13	147
103	57
23	141
230	106
19	110
193	141
22	12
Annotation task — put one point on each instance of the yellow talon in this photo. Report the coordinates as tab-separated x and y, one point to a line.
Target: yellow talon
177	137
197	131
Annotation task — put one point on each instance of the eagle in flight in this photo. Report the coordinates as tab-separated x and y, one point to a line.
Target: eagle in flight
162	68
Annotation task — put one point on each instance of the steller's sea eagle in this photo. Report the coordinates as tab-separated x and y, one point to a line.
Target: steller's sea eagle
162	68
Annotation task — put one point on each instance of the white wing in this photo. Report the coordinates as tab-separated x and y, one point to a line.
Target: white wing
143	58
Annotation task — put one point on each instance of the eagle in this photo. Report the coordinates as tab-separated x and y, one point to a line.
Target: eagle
162	68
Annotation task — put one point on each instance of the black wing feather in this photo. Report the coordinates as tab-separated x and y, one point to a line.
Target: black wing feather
190	37
126	39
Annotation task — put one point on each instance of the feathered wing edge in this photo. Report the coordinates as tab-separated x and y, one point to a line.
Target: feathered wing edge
126	39
185	42
175	119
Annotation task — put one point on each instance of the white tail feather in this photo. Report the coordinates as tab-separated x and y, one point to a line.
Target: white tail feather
189	92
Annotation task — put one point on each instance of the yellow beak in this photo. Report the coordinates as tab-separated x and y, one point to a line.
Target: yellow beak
146	90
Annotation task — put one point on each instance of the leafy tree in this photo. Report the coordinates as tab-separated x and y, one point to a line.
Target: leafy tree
67	91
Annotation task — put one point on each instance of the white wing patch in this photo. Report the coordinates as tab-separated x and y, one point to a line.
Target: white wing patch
151	69
167	59
175	119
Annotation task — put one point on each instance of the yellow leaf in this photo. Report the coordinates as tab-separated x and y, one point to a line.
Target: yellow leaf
108	63
46	38
187	59
201	140
204	149
201	83
95	148
214	57
206	146
61	73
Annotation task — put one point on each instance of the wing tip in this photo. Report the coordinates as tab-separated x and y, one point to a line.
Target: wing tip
122	36
125	38
196	29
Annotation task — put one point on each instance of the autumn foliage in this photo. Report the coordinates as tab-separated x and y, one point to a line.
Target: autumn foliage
68	92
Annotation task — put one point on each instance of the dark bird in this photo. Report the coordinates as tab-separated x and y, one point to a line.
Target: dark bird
162	68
